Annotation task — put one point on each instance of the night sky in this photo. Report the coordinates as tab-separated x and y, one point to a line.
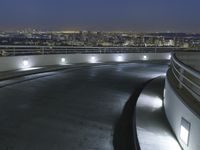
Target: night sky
126	15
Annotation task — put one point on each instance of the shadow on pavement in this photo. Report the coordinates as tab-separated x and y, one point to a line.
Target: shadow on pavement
125	137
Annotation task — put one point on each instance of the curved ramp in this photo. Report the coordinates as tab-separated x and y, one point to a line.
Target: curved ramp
69	110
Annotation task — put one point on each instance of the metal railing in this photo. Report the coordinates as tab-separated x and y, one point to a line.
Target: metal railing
187	78
6	50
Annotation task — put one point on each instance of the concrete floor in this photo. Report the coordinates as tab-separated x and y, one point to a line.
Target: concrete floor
69	110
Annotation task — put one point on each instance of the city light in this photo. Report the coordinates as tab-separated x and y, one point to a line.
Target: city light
68	38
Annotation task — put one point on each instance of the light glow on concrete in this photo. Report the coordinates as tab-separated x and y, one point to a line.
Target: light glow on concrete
28	69
145	57
63	60
119	58
25	62
93	59
148	140
157	103
152	101
170	56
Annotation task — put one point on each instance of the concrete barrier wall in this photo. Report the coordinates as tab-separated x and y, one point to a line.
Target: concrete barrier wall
175	110
18	62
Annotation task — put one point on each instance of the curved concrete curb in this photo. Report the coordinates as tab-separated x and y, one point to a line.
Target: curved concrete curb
152	128
17	76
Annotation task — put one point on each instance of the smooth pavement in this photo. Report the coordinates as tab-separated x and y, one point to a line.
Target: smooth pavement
70	109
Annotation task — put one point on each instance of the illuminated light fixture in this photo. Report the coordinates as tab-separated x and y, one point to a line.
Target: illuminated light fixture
63	60
119	58
170	56
25	62
144	57
93	59
185	131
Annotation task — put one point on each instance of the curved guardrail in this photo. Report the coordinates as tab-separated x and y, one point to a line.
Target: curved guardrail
187	77
182	99
9	50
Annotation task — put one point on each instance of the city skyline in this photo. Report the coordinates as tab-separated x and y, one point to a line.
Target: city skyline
112	15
